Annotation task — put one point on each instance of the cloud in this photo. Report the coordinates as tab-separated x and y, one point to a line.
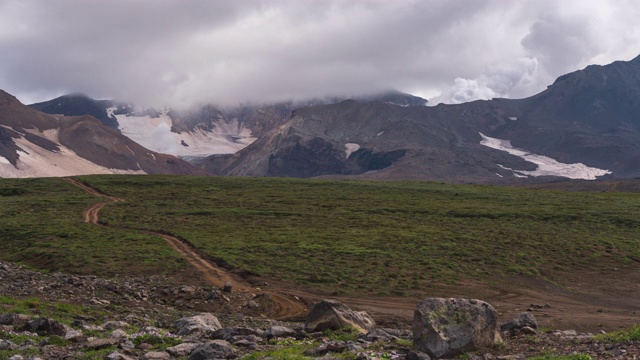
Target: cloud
162	52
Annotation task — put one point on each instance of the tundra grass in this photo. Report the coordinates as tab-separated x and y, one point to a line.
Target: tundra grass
41	226
386	238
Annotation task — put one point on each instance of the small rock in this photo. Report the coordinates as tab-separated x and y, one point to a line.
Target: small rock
417	355
278	331
253	305
227	287
117	356
7	345
520	321
118	334
183	349
98	344
156	355
112	325
216	349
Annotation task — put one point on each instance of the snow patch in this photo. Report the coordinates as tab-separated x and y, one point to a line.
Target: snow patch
110	111
155	134
513	118
380	133
4	160
351	148
546	165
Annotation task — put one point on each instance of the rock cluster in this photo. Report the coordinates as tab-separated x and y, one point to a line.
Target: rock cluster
443	328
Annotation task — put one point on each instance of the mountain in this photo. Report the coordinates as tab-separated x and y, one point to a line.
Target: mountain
77	105
584	126
202	130
35	144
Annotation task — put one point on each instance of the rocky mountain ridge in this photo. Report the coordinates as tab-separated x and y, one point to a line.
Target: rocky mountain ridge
584	126
35	144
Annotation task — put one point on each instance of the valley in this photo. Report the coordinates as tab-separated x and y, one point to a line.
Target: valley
376	246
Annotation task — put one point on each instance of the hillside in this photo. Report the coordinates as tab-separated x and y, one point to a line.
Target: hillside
35	144
584	126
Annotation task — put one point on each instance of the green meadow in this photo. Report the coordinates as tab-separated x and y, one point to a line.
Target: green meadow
384	238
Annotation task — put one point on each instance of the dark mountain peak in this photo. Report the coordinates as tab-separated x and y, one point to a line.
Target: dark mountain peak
77	104
396	97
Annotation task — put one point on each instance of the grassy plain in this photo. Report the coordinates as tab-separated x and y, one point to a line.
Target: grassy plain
386	238
41	226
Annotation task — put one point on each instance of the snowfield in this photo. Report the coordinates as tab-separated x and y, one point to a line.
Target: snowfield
155	134
546	165
351	148
35	161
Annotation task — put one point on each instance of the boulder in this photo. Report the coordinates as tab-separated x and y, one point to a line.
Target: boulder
229	333
7	345
112	325
98	344
183	349
215	349
201	323
331	314
117	356
14	319
416	355
524	319
47	326
450	327
278	331
156	355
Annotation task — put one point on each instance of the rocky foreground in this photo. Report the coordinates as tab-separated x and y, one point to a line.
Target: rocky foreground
60	316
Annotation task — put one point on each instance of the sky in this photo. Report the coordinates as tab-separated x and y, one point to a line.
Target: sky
185	52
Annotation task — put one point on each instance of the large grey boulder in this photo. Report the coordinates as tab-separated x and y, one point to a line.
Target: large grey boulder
333	315
201	323
450	327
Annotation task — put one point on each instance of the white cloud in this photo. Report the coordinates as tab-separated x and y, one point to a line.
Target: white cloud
183	52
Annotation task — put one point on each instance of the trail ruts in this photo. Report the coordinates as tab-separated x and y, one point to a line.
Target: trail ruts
286	307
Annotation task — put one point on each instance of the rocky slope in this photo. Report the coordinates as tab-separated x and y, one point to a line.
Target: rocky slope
584	126
35	144
55	316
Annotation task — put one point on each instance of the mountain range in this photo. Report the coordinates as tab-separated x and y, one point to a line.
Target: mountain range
586	125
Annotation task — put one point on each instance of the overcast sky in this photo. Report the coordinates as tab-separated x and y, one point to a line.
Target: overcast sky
181	52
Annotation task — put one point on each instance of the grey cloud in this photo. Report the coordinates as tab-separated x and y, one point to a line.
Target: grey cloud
185	52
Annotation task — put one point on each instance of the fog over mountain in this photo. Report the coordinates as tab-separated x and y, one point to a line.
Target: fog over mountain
180	53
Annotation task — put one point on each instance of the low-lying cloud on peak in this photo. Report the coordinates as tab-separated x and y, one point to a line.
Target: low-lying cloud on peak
179	53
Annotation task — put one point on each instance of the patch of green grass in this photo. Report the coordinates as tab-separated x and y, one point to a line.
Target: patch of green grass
159	342
392	238
347	333
625	335
295	352
63	312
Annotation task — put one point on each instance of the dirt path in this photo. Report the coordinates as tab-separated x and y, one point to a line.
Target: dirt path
286	307
591	301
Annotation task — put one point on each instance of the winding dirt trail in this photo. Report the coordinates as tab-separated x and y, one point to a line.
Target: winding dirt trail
286	306
592	301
